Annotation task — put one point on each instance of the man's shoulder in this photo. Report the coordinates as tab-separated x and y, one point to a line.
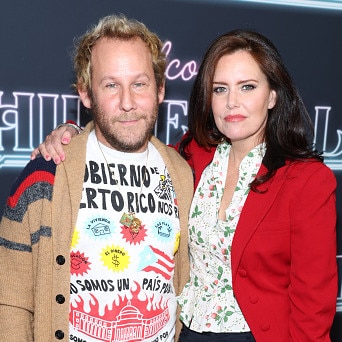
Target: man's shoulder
34	182
172	158
38	168
165	149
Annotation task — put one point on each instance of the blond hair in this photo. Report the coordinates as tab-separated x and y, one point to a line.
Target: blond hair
116	27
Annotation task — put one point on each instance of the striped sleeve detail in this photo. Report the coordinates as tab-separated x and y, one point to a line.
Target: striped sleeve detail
32	179
35	237
33	184
32	194
15	245
43	231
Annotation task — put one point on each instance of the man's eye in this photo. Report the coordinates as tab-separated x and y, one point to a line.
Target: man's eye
219	90
111	85
139	84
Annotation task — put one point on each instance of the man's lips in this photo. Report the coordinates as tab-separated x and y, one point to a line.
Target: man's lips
129	122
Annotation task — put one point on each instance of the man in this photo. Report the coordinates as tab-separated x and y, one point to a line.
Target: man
96	247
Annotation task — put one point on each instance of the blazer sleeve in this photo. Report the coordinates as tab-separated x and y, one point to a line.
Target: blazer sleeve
313	275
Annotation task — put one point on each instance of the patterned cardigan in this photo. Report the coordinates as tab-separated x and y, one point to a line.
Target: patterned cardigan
35	238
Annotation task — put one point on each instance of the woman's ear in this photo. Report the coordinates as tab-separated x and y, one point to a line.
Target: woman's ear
272	99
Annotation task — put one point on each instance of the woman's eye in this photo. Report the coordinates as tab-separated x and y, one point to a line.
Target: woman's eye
219	90
248	87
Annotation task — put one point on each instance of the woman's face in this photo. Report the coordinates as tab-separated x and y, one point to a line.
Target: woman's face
241	98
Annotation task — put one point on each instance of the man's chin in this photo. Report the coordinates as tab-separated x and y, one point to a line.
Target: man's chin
130	146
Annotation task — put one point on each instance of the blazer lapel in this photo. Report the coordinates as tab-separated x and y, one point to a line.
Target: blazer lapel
254	210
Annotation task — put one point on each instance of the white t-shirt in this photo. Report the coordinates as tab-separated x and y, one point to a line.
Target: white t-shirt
122	264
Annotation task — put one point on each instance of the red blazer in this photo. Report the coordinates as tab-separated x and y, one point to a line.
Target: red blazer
284	256
284	253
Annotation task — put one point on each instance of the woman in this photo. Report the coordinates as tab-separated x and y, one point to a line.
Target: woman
262	223
262	237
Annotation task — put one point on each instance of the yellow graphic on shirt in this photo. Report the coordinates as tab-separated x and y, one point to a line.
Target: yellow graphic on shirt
75	238
115	258
177	238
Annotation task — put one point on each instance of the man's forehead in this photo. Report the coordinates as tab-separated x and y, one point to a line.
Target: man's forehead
114	59
121	49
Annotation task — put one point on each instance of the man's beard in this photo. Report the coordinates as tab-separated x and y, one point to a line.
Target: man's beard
119	141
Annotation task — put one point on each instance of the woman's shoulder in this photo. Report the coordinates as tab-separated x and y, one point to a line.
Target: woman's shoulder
308	165
306	169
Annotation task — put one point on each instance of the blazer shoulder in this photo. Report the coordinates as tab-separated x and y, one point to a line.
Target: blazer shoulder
310	166
311	171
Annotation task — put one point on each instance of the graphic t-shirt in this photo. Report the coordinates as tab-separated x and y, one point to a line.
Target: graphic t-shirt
122	252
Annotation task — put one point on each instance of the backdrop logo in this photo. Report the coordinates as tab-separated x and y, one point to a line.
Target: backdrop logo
26	118
332	157
29	117
21	122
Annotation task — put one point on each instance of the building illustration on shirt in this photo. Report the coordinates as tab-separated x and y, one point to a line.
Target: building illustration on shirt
130	325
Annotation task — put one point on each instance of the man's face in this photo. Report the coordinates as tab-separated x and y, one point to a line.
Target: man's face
124	96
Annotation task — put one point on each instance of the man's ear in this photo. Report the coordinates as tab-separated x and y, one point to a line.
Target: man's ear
161	93
84	96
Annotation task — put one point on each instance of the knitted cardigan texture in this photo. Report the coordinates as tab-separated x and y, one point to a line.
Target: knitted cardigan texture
35	238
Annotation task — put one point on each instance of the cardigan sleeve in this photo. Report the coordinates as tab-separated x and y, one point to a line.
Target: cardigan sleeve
16	278
20	229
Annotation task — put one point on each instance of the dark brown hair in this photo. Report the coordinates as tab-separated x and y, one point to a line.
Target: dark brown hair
289	131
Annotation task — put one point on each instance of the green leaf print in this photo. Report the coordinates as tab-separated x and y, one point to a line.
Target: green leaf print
222	314
226	288
228	231
220	270
196	212
228	313
199	238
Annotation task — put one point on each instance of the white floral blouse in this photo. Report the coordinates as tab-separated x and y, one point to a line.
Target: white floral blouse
207	301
